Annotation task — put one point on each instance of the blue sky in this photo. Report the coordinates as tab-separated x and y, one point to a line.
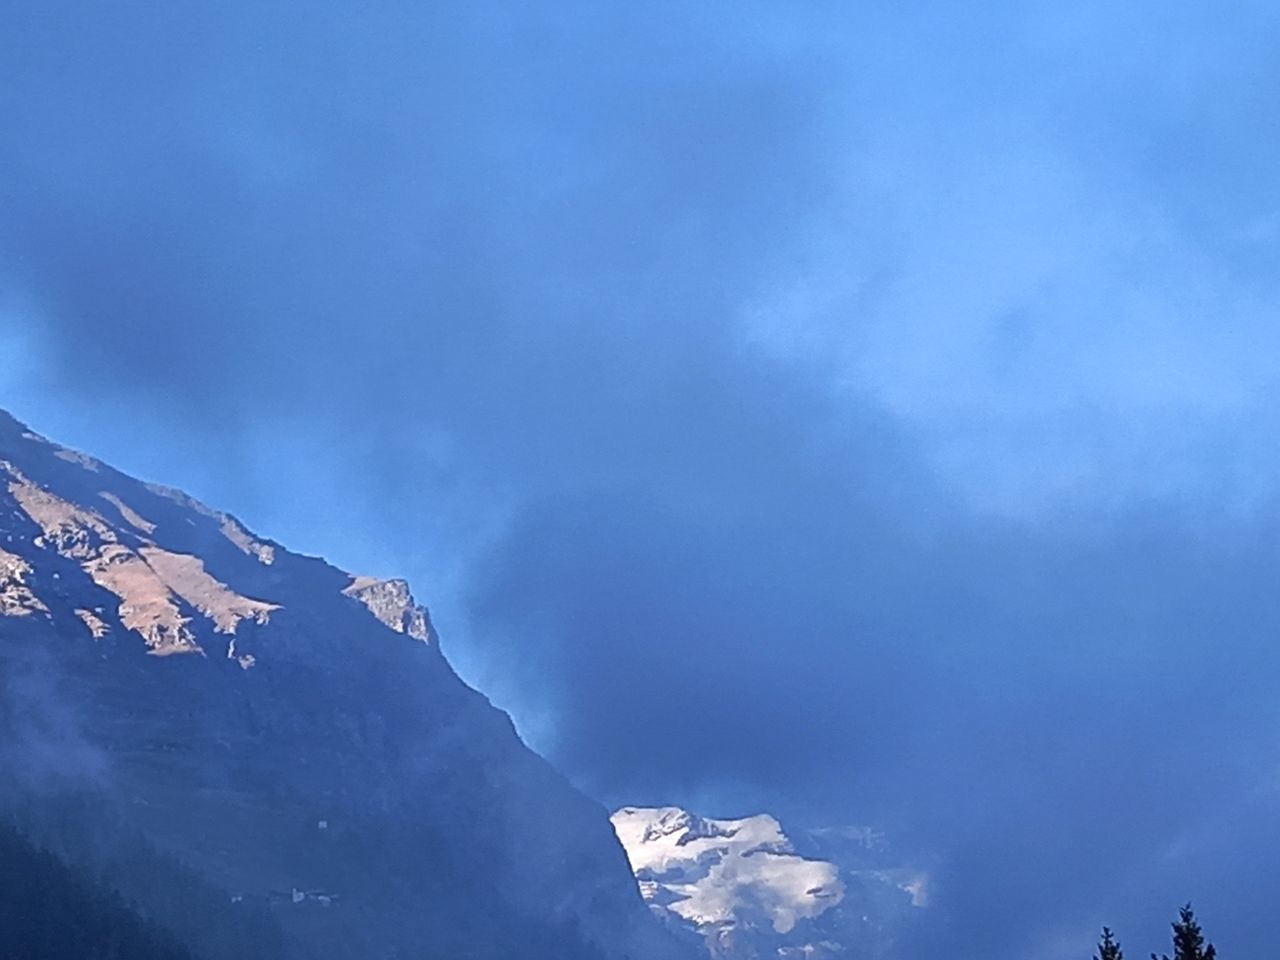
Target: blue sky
859	411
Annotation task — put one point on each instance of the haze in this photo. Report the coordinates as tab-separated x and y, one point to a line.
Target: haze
863	413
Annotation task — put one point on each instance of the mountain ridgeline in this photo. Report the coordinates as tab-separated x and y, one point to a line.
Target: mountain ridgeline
267	756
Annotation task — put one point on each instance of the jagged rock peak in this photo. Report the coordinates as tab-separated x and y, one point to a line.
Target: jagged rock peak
687	827
393	604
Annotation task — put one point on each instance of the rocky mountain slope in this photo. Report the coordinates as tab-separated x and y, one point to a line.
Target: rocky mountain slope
748	891
289	731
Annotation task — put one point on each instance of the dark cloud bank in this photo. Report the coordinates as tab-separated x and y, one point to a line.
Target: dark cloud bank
604	310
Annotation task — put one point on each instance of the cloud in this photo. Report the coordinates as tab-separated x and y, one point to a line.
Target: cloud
861	415
43	750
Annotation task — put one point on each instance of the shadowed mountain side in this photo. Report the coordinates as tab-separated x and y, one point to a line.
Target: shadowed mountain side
48	911
287	729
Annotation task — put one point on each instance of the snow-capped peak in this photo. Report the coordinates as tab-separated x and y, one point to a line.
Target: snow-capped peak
709	871
746	889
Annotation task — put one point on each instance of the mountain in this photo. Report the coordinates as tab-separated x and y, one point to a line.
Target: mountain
748	891
278	730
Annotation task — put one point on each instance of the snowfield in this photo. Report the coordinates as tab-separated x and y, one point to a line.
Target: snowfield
708	871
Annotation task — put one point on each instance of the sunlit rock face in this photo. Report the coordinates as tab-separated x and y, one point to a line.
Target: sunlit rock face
285	727
748	891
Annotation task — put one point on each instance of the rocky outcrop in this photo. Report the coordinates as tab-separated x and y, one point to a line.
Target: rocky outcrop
16	598
392	603
154	587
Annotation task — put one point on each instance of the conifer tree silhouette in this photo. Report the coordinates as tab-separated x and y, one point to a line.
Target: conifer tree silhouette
1109	946
1188	939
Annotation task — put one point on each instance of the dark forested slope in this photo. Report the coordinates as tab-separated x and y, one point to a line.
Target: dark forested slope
50	912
